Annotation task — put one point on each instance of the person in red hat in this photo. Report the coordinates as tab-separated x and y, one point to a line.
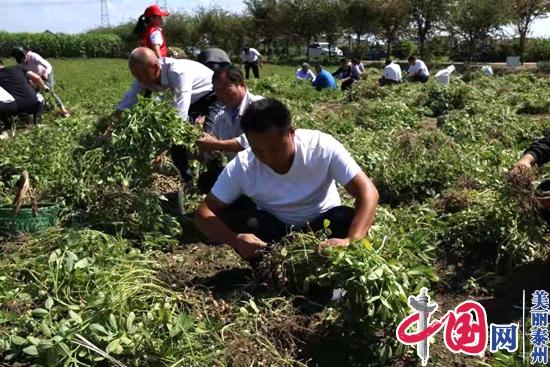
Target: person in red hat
150	32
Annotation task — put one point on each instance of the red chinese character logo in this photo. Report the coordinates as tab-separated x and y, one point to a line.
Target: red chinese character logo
465	327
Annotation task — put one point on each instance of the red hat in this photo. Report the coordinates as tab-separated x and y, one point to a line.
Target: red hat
155	10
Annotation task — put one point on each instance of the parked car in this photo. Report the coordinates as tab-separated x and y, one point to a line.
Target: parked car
321	49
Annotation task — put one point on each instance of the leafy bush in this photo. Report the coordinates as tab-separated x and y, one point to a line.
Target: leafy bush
63	45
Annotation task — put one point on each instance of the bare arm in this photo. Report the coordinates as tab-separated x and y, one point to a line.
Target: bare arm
208	143
37	80
156	50
366	201
208	222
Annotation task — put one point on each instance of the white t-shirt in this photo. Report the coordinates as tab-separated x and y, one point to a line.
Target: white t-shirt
420	67
252	56
156	38
304	192
5	97
393	72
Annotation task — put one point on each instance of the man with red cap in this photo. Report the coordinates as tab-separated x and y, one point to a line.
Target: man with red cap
150	32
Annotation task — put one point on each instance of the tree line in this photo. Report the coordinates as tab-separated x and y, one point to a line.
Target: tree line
459	27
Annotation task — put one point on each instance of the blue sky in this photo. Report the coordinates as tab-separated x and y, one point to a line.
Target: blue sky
73	16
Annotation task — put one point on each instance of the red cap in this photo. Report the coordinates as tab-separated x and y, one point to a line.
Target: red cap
155	10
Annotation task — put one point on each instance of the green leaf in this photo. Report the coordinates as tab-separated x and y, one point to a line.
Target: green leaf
40	312
75	317
114	347
98	329
49	303
112	322
130	321
31	350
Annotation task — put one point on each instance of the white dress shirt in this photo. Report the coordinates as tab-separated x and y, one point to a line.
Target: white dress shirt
393	72
186	81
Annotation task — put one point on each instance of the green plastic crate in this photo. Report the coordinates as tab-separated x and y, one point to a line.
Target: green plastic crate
26	221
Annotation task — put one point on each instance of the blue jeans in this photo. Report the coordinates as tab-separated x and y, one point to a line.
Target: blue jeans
51	83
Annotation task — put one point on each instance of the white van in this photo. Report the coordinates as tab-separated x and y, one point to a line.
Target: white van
321	49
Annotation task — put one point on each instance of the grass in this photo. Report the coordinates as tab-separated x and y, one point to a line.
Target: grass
121	280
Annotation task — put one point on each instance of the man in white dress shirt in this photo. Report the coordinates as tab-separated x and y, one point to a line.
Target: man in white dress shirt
290	175
252	59
188	83
305	73
226	136
418	71
392	74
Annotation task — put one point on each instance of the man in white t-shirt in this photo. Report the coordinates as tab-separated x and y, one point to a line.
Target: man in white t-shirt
305	73
418	71
252	60
392	74
226	135
291	177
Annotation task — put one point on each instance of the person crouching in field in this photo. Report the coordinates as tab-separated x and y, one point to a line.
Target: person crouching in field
392	74
15	81
149	30
188	82
418	71
290	176
37	64
324	79
305	73
226	136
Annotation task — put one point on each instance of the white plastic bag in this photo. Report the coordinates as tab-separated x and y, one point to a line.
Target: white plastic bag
444	76
487	70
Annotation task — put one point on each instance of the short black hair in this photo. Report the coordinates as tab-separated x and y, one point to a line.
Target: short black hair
388	61
355	60
232	73
343	60
264	115
318	67
18	53
411	58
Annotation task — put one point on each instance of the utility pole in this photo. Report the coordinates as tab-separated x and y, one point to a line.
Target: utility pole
105	14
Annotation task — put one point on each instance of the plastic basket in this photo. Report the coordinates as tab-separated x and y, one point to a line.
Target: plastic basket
26	220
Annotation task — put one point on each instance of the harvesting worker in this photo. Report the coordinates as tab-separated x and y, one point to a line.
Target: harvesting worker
149	30
324	79
418	71
252	59
188	84
291	177
15	81
38	65
305	73
214	58
227	135
392	74
538	153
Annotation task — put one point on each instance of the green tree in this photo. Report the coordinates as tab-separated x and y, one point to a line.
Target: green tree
522	14
393	17
425	15
476	19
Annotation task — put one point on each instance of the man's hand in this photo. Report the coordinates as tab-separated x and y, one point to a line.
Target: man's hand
526	160
332	242
206	144
248	245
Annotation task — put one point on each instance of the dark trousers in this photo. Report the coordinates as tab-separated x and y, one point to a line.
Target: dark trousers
242	216
346	84
7	111
270	229
420	78
255	69
383	81
207	106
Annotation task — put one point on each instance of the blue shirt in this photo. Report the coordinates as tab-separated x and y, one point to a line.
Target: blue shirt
324	80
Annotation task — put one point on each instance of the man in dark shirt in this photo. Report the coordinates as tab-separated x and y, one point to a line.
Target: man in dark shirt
538	153
15	80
